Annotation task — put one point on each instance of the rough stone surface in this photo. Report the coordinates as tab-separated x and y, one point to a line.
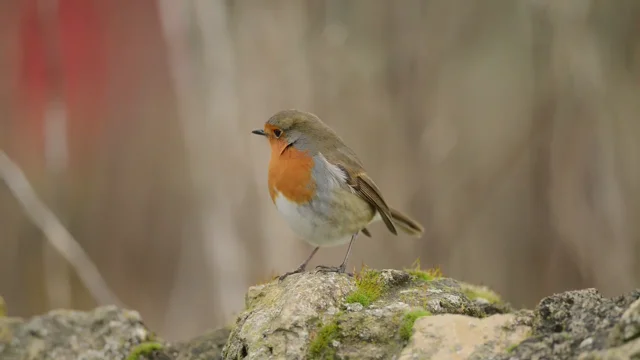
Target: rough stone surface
628	351
624	337
288	319
463	337
279	317
629	326
205	347
579	324
406	315
105	333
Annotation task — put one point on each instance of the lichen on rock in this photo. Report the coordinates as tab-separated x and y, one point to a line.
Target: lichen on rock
628	328
581	324
327	315
387	314
207	346
452	336
105	333
409	320
280	316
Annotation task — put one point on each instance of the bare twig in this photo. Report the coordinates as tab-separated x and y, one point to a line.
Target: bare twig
55	232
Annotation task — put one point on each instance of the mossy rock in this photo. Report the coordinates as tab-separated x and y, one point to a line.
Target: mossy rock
374	315
582	324
145	350
206	346
104	333
328	315
409	319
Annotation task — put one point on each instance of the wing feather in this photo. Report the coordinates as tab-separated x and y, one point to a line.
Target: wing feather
370	192
364	187
343	157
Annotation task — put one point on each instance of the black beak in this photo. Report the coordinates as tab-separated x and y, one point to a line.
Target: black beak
259	132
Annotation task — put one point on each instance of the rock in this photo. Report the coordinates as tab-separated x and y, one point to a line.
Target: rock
204	347
277	316
628	328
105	333
628	351
386	314
624	338
463	337
579	324
325	315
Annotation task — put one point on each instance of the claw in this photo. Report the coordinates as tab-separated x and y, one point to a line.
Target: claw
337	269
296	271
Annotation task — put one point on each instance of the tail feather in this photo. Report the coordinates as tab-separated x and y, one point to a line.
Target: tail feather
406	224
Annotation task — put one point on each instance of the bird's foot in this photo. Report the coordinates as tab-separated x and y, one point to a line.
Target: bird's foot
337	269
300	269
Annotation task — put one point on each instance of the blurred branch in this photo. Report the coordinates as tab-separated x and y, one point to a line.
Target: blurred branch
55	232
56	271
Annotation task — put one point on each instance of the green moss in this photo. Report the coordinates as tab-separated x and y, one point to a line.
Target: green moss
152	337
474	292
425	275
320	347
512	347
369	287
406	326
146	348
3	308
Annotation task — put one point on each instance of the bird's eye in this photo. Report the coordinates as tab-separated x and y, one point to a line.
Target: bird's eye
277	132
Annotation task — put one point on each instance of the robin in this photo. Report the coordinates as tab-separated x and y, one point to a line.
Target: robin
321	188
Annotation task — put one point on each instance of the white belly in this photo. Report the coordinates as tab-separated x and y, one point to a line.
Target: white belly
309	226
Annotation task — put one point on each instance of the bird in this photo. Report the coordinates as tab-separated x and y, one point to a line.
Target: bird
321	188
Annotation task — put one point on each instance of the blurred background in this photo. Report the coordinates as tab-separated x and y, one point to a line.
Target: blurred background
509	128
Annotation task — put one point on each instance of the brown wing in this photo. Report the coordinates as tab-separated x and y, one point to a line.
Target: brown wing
339	154
367	189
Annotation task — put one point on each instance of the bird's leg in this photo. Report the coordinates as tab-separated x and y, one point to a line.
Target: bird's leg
302	266
339	269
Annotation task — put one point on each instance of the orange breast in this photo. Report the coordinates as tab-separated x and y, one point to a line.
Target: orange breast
290	174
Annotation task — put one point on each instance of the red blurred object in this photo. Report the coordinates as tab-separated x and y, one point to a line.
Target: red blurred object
62	56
